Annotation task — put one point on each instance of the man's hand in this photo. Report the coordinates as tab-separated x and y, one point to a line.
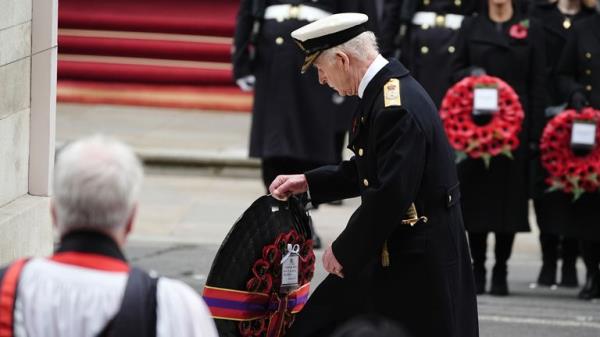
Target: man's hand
246	83
284	186
331	264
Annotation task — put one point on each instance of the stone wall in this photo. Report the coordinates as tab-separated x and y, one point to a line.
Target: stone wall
27	110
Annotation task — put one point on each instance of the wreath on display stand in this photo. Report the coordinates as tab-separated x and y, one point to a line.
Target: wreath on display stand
499	136
567	171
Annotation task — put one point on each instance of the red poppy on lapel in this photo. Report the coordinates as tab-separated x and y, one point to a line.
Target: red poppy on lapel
519	30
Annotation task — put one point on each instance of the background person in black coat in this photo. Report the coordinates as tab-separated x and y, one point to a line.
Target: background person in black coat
495	199
422	33
554	209
579	73
419	276
293	129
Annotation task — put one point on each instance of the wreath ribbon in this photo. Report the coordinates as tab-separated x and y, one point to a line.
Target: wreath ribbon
239	305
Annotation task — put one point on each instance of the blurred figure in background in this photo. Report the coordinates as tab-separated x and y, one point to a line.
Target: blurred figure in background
87	288
421	33
294	127
554	210
579	78
495	199
292	124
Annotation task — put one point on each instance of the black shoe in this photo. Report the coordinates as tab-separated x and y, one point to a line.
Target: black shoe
499	289
547	276
591	289
499	283
569	276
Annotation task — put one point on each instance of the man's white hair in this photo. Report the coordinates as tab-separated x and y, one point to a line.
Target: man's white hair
360	47
96	185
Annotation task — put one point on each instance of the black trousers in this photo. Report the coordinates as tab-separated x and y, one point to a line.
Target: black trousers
502	251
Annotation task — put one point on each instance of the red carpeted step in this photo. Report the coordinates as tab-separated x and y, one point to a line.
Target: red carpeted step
212	18
176	50
143	73
157	95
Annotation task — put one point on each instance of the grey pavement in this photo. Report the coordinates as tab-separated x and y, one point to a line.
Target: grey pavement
186	211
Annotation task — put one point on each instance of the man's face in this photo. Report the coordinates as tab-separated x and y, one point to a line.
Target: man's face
334	71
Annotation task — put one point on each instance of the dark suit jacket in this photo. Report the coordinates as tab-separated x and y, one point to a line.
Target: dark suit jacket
401	156
293	115
579	68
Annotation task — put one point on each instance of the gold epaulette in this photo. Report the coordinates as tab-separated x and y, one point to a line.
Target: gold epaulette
391	93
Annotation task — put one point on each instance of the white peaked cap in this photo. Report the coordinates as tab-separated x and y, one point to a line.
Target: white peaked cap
328	32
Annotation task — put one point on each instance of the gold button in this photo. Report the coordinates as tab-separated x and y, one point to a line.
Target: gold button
426	2
588	55
424	50
449	198
425	27
361	152
588	71
451	49
439	20
567	23
366	182
588	87
458	3
279	40
362	120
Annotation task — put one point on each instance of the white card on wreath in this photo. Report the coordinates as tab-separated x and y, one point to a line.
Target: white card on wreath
583	133
485	99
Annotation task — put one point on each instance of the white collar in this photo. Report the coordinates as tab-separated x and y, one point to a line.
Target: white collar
373	69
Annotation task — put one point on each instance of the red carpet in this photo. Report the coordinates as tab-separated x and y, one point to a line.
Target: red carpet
197	17
186	97
152	52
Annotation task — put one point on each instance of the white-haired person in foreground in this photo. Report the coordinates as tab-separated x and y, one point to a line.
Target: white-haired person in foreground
403	254
87	288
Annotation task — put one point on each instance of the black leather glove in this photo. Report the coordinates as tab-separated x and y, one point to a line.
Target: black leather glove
578	101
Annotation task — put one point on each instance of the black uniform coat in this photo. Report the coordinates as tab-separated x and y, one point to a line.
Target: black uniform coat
582	53
402	156
293	116
553	209
426	50
496	199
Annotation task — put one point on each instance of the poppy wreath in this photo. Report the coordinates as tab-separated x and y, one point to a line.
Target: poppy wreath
266	279
498	137
566	171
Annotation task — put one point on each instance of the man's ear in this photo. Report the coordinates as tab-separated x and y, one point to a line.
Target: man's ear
131	218
343	59
53	214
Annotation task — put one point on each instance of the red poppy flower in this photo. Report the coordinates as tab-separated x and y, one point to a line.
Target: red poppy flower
518	31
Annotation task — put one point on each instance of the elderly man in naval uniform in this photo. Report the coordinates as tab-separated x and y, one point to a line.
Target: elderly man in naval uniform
403	254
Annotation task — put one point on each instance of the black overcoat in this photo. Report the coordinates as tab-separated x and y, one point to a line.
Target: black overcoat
293	115
401	156
425	50
574	76
496	199
554	210
579	68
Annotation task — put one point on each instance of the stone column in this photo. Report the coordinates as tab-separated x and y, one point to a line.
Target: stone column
27	113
